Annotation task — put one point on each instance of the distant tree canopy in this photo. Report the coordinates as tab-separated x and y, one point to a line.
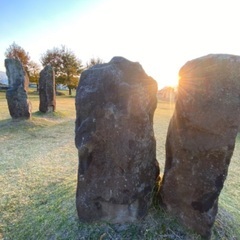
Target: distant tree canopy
66	65
33	71
94	61
16	52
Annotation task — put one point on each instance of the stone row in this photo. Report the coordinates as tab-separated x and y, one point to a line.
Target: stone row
118	170
18	104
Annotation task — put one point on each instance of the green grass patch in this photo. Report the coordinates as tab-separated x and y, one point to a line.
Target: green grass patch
38	178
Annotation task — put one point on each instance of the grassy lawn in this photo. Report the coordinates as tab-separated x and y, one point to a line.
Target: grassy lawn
38	174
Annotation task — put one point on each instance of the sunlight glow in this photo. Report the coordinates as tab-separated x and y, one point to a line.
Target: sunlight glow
157	34
165	77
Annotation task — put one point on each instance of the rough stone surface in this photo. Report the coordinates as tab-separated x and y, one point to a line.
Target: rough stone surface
115	103
47	93
18	104
201	139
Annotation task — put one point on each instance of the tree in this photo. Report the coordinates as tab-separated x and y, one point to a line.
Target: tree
94	61
34	71
17	52
54	58
66	65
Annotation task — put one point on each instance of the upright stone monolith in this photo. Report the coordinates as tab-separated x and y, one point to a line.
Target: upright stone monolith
18	103
47	93
201	139
118	170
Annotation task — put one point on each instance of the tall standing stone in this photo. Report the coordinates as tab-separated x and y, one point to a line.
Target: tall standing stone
201	139
47	93
18	104
115	103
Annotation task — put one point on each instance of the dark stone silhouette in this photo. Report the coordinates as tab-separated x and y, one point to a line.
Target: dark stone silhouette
18	104
201	139
118	170
47	93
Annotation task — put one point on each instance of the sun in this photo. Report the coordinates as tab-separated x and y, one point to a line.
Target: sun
166	75
168	80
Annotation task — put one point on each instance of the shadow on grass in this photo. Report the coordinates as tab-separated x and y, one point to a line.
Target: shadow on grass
52	215
38	119
51	115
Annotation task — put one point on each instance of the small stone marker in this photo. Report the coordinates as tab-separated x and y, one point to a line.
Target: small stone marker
118	170
17	99
201	139
47	93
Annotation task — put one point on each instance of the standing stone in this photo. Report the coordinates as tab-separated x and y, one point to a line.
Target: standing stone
18	104
47	93
201	139
118	170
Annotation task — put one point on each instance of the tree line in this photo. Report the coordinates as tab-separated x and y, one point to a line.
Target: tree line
67	66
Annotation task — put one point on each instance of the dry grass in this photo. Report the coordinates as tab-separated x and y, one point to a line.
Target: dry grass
38	172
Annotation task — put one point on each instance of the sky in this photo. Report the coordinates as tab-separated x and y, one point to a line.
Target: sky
162	35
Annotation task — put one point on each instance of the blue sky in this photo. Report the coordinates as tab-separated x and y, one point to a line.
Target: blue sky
19	17
160	34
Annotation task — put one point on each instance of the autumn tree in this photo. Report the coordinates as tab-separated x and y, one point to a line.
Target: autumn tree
94	61
16	52
66	65
34	72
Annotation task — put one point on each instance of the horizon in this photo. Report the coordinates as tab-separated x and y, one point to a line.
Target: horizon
161	35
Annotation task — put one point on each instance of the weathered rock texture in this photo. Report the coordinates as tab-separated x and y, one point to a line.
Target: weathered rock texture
47	93
115	103
201	139
18	104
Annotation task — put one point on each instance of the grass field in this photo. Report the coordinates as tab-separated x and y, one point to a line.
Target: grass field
38	172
